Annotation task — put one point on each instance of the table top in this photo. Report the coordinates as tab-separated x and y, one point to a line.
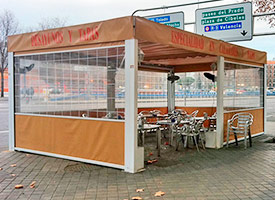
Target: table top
165	122
155	116
169	122
148	126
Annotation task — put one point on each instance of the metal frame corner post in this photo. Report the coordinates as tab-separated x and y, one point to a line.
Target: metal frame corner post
220	112
265	95
170	95
133	162
11	101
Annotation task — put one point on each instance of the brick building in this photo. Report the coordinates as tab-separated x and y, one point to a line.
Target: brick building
270	74
6	87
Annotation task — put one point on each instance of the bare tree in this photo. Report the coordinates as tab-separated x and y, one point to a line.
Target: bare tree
265	6
8	26
48	23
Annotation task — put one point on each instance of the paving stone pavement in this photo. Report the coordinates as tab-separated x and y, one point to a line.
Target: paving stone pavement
228	173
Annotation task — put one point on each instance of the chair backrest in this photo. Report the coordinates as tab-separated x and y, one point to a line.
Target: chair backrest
198	126
156	112
179	111
144	112
194	113
243	119
214	115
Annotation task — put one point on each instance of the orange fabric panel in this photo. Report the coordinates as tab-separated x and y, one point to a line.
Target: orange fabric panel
257	126
242	62
113	30
164	110
193	68
89	139
106	44
162	34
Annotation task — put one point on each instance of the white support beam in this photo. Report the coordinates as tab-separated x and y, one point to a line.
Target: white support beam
264	95
11	101
134	155
170	95
220	85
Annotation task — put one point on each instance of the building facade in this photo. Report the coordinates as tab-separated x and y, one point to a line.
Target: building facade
270	74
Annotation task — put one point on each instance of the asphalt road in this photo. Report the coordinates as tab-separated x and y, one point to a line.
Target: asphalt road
4	117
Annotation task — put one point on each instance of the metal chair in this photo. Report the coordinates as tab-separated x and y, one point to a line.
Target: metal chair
213	122
156	112
195	130
193	114
240	124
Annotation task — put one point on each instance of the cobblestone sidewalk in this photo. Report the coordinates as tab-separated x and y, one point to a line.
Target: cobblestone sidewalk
232	173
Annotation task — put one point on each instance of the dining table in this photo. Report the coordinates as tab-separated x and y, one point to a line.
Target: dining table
143	129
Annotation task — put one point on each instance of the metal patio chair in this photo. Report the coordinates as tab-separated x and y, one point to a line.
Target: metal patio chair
194	130
240	124
193	114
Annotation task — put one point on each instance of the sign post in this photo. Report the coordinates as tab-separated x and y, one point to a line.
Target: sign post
175	19
229	23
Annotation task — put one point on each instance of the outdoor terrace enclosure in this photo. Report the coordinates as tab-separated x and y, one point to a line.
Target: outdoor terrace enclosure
76	90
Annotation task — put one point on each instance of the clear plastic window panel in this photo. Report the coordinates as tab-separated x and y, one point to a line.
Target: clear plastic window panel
193	89
152	89
86	83
243	87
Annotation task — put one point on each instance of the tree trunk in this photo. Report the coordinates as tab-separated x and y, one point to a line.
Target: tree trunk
2	83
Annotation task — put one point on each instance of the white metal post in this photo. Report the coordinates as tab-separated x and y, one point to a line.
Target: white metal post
170	95
264	96
220	84
11	100
134	155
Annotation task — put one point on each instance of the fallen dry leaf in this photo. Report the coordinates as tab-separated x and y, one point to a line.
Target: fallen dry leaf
136	198
18	186
140	190
13	175
32	185
1	168
27	155
159	194
13	165
152	161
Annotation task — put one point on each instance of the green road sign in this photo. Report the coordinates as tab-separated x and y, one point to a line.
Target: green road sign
228	22
173	24
175	19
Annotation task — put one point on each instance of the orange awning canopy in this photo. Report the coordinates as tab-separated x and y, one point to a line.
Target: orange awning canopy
164	47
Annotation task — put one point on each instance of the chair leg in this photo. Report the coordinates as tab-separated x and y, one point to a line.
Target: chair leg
182	140
250	138
177	145
245	138
178	142
202	143
245	142
236	138
227	139
195	140
186	142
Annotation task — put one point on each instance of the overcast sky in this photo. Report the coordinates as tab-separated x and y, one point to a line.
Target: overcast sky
30	12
